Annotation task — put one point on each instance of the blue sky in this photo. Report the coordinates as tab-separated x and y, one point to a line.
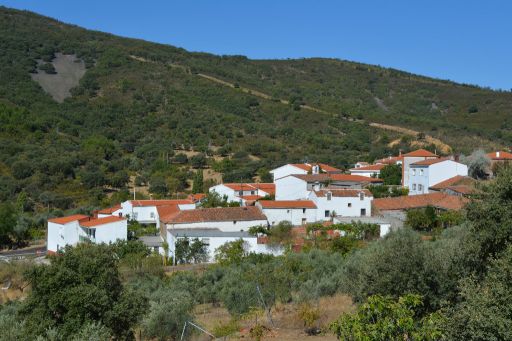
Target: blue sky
465	41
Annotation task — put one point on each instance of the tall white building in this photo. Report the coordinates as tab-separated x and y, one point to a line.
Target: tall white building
427	173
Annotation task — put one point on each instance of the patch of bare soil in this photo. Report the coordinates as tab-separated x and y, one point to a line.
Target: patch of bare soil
69	72
287	324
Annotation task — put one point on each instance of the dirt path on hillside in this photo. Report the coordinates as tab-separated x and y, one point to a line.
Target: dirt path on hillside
440	145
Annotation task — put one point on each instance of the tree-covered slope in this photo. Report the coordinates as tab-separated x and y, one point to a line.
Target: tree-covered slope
139	103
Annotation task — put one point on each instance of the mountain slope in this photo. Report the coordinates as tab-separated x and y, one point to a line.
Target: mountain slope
139	103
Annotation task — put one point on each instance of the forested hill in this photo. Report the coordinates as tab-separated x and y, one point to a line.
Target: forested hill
82	111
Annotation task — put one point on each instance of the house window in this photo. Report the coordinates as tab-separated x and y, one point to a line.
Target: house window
303	221
152	215
234	222
287	211
361	196
206	241
135	215
421	171
363	212
252	193
420	187
327	213
349	204
413	187
413	171
303	210
329	196
240	192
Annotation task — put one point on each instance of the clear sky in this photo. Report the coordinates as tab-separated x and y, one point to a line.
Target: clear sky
466	41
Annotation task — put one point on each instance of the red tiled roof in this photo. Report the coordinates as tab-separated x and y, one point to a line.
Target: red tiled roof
269	188
217	214
68	219
250	197
455	181
110	210
196	197
100	221
335	177
286	204
240	186
308	167
462	189
502	155
141	203
420	153
429	162
391	160
343	192
369	168
437	199
167	212
354	178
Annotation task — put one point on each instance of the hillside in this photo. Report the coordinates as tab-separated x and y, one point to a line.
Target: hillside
139	105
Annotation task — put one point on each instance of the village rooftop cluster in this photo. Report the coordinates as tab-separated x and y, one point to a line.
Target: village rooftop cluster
301	194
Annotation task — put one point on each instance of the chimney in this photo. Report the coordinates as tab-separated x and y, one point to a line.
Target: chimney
497	154
400	152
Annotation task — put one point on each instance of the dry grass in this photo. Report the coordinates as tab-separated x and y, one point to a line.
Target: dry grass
288	325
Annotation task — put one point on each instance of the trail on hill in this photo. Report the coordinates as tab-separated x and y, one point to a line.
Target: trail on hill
440	145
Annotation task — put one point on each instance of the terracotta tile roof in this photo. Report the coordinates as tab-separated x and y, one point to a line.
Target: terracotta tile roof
269	204
455	181
429	162
68	219
462	189
141	203
500	155
196	197
217	214
437	199
308	167
167	212
240	186
269	188
420	153
377	167
100	221
353	178
335	177
343	192
250	197
110	210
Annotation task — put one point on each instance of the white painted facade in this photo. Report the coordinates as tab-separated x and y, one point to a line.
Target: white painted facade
407	162
71	233
384	225
286	170
422	177
215	241
296	216
345	206
291	188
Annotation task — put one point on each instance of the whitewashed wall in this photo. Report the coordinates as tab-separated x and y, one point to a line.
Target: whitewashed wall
291	188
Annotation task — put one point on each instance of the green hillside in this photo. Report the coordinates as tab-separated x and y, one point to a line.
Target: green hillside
140	105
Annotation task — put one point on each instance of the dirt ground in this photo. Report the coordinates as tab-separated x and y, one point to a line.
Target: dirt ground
288	326
69	71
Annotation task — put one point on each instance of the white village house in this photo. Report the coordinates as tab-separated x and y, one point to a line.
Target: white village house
413	157
74	229
303	168
297	212
331	202
299	186
215	227
427	173
244	193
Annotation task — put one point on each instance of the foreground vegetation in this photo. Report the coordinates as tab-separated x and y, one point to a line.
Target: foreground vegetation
455	286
